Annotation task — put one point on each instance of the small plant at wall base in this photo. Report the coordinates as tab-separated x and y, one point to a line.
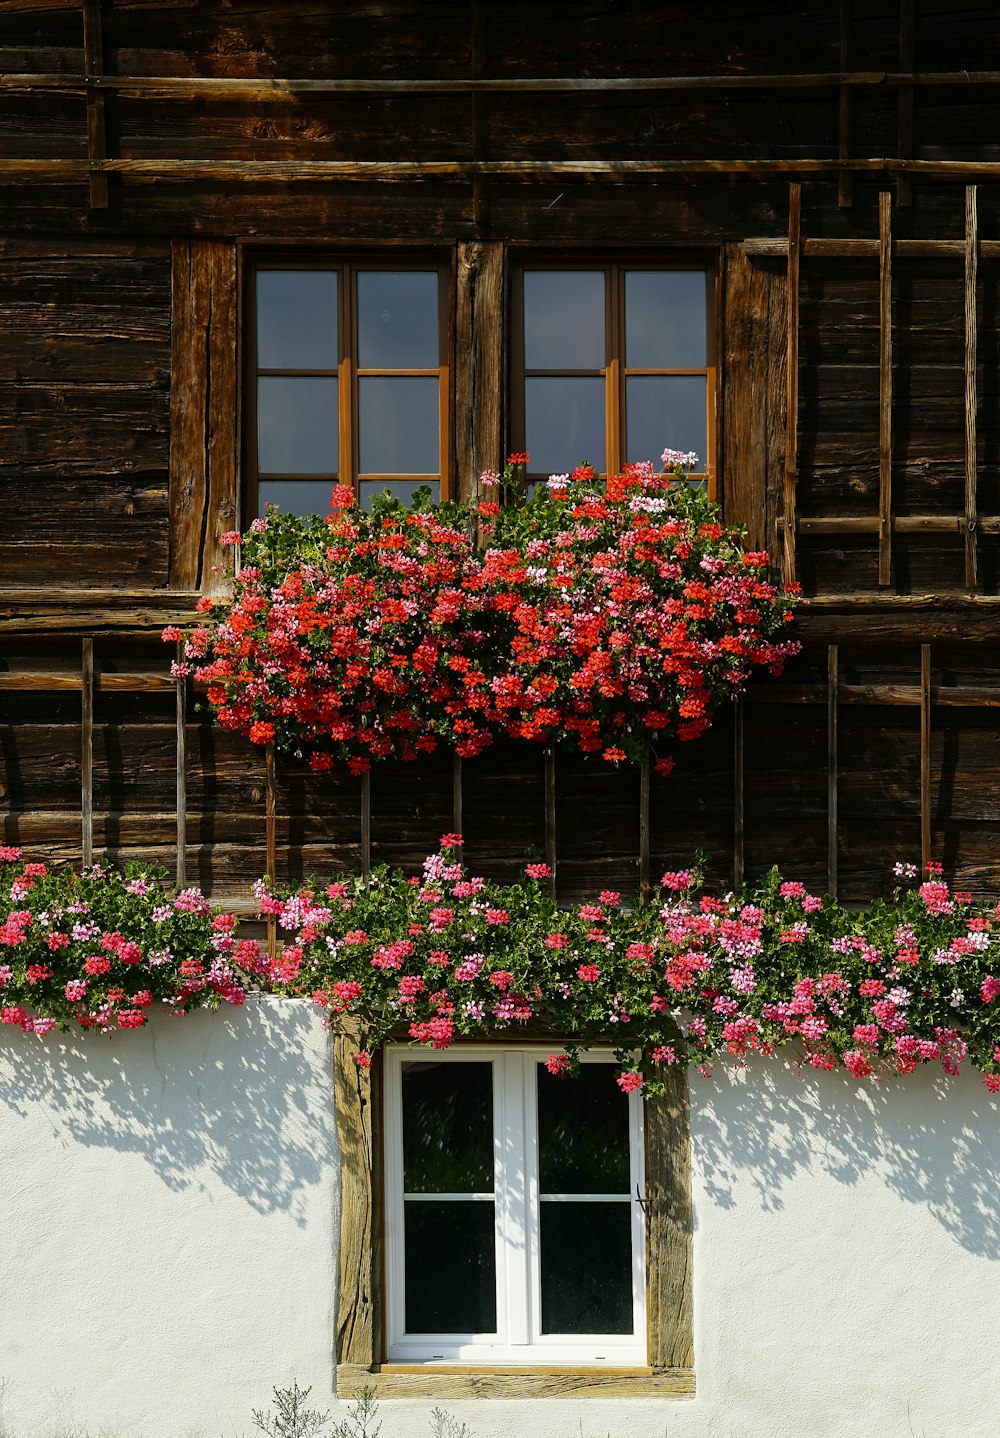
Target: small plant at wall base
609	615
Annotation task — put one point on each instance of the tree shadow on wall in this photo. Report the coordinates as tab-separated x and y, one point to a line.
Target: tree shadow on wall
225	1094
930	1139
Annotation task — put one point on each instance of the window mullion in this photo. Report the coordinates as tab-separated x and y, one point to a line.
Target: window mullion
512	1215
346	379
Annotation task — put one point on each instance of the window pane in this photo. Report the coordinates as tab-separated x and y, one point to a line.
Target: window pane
398	420
564	423
450	1267
401	488
296	425
664	412
666	319
295	496
297	319
586	1263
564	319
448	1128
583	1132
398	324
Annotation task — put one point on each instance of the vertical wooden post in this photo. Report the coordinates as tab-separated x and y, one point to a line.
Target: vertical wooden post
271	836
87	753
885	388
479	362
832	695
93	63
907	28
792	378
971	341
925	755
738	856
845	183
456	793
181	721
366	823
480	117
550	816
644	787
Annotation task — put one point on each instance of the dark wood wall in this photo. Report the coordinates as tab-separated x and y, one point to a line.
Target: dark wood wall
147	149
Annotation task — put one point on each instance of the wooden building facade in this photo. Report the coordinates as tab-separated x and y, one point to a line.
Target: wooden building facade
832	167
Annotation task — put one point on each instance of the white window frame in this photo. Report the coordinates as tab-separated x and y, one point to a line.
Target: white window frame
518	1339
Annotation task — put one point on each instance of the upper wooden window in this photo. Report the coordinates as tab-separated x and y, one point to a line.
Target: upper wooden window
612	362
349	381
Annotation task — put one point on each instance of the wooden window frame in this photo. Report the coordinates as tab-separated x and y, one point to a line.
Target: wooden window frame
348	372
614	370
360	1334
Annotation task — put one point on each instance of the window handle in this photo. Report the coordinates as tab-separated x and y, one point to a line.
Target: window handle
640	1198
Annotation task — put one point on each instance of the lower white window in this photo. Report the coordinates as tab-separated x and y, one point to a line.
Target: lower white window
515	1228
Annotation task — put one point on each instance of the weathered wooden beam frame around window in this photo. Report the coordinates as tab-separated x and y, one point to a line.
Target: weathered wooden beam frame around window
204	423
359	1324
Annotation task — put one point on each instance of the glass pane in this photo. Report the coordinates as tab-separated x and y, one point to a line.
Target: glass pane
665	412
401	488
447	1128
586	1263
398	323
582	1132
398	420
297	319
450	1267
564	319
296	425
564	423
295	496
666	319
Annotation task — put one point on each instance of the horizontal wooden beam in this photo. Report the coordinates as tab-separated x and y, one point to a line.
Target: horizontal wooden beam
765	247
461	171
52	680
952	696
898	523
185	87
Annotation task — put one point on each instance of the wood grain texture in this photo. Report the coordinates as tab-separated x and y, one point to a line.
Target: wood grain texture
792	382
845	133
832	700
480	361
87	753
885	389
180	870
925	756
204	433
669	1227
93	56
357	1098
445	1385
970	292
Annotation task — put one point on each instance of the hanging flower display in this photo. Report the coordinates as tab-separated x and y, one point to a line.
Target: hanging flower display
610	615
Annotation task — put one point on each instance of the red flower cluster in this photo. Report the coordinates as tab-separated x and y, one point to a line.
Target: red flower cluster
606	616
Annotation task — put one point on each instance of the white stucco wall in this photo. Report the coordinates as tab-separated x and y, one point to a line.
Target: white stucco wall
168	1209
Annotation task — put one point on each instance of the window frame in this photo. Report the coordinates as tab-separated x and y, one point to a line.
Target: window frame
517	1206
615	372
360	1335
348	372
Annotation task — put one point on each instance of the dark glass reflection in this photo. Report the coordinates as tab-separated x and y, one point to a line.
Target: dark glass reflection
398	420
665	412
564	423
398	320
450	1267
297	425
403	489
583	1138
666	320
448	1128
586	1263
297	319
295	496
564	319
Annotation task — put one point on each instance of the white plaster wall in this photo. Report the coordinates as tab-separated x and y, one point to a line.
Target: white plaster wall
168	1219
168	1235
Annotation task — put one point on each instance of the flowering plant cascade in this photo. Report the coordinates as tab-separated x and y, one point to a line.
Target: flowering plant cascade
103	949
607	615
696	979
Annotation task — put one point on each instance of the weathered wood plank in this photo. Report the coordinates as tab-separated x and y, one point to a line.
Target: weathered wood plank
971	401
204	438
885	389
832	844
181	742
93	59
423	1381
792	381
907	38
669	1224
745	396
845	132
480	364
925	755
87	753
357	1105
